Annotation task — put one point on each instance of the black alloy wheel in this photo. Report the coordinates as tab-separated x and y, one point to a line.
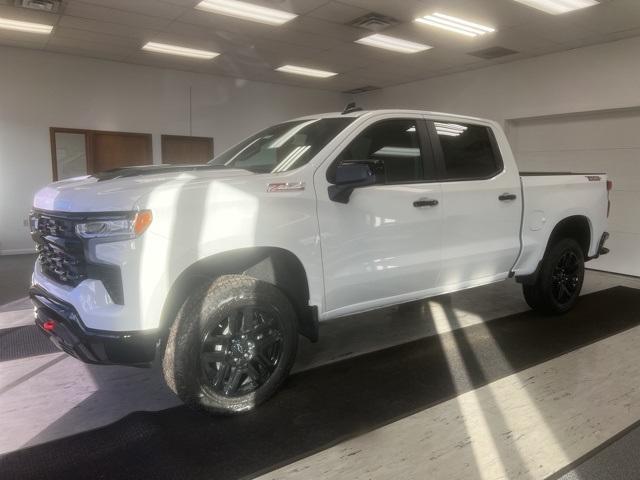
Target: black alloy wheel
559	281
240	352
566	278
232	345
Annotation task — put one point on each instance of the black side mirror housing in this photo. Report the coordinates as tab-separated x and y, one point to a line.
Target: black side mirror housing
349	176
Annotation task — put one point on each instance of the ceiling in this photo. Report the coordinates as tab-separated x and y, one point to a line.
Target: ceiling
319	37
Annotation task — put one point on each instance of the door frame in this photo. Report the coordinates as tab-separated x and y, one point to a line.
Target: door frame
438	152
427	149
88	142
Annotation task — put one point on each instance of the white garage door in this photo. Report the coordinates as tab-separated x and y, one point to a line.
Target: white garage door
596	142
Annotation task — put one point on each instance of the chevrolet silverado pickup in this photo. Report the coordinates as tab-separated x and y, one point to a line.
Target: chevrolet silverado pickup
215	270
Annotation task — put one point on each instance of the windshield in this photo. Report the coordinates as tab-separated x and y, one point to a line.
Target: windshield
282	147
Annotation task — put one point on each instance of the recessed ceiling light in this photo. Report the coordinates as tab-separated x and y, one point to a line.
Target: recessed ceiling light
176	50
453	24
392	43
25	26
310	72
556	7
246	11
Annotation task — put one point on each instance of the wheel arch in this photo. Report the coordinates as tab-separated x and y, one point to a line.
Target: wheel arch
274	265
577	227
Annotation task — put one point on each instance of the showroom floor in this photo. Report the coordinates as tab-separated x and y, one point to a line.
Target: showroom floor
423	390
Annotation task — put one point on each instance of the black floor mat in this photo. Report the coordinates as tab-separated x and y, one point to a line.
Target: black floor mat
320	407
21	342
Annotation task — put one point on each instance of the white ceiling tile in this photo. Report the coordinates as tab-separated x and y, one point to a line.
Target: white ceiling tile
89	49
23	39
305	39
152	8
323	28
96	37
609	18
338	12
102	27
405	10
27	15
183	3
86	10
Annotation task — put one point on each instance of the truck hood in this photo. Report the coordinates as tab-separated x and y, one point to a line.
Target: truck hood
121	189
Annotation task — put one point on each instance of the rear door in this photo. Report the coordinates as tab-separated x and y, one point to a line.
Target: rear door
481	204
382	246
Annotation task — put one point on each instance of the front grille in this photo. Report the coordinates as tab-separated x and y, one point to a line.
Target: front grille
53	226
60	251
61	254
60	265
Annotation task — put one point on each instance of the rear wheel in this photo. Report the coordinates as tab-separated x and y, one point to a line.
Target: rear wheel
232	345
559	281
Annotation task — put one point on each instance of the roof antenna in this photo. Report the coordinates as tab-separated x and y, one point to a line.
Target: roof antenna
351	107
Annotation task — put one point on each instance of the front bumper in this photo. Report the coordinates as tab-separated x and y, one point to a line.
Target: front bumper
62	324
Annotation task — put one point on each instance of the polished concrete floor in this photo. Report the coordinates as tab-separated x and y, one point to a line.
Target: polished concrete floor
50	396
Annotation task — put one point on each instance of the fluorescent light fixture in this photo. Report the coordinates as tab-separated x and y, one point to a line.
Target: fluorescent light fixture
556	7
405	152
309	72
182	51
454	24
247	11
29	27
393	43
450	129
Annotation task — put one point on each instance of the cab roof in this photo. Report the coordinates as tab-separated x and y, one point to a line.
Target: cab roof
369	113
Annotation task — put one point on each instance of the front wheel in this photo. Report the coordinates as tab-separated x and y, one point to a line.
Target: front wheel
559	281
232	345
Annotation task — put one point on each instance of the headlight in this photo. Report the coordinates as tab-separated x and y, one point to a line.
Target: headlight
118	228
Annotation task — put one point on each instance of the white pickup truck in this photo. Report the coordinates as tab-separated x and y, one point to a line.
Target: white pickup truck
216	269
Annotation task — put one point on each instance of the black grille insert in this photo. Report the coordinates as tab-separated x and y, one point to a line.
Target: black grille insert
60	251
62	258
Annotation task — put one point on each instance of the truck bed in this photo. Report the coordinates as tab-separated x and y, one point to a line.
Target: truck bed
555	196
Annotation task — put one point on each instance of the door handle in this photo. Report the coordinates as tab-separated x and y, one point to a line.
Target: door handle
425	202
505	197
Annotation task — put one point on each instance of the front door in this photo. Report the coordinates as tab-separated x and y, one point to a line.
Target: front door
383	246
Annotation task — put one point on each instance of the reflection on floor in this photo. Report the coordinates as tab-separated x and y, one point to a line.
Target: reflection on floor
50	396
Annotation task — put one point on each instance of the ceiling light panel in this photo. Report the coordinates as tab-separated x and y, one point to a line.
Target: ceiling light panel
181	51
557	7
454	24
247	11
8	24
309	72
449	129
393	44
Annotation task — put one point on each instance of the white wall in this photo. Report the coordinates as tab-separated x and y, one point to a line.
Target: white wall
39	90
599	77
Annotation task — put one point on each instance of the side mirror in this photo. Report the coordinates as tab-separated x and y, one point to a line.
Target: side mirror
349	176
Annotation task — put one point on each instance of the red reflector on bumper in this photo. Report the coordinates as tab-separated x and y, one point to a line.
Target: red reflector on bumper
49	325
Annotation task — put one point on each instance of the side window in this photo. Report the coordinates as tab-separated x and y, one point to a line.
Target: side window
393	147
468	151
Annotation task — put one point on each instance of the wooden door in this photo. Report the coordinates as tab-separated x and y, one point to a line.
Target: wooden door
111	150
177	149
80	152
